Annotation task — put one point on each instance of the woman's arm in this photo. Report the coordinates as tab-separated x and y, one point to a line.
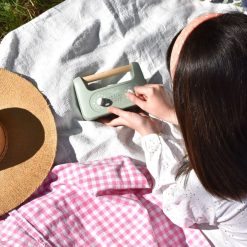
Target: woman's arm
185	205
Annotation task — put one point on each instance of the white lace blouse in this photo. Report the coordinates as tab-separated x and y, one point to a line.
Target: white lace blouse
192	204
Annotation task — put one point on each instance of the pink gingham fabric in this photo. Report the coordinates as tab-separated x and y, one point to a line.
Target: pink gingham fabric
99	203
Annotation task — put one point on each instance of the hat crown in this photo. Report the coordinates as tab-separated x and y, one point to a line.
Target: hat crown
3	141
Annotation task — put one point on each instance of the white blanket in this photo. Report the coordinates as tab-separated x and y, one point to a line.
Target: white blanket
81	37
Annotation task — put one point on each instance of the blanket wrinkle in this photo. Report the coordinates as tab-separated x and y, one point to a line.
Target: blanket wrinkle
80	37
69	203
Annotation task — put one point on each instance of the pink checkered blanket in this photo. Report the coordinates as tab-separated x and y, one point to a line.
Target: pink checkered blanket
99	203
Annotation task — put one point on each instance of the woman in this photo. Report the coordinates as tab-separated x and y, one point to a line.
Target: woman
208	67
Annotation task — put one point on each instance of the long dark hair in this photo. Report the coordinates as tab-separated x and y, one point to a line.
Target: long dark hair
210	97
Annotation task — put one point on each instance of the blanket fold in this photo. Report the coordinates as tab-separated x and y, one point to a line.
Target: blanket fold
80	37
101	203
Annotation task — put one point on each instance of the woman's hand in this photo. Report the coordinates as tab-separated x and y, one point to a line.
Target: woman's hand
137	121
153	99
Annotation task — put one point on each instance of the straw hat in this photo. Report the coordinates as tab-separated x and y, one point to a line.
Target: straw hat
27	140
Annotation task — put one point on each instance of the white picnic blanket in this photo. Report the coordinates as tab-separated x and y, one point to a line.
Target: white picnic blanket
81	37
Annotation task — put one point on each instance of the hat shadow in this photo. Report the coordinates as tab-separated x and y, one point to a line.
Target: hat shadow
65	152
25	136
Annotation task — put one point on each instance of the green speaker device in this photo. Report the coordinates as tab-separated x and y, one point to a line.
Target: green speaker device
93	103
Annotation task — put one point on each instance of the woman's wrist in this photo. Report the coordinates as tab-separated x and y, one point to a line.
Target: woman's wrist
174	119
171	117
151	126
148	131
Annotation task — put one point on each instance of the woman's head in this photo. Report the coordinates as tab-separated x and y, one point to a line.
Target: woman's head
210	97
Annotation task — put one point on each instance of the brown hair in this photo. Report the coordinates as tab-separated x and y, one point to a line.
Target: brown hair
210	97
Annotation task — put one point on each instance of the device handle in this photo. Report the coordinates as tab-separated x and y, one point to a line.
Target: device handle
106	74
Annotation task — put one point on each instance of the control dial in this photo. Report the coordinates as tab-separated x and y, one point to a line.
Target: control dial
104	102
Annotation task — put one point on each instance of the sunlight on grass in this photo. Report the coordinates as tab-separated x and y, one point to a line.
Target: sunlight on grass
14	13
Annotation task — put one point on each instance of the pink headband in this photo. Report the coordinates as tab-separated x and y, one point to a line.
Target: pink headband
183	36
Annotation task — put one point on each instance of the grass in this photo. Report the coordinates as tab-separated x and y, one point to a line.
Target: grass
14	13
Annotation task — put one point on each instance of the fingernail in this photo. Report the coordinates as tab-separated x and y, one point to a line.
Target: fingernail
130	91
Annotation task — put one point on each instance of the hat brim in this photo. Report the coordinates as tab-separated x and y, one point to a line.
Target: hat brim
32	140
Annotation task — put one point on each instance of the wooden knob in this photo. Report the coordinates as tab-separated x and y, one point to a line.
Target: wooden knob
106	74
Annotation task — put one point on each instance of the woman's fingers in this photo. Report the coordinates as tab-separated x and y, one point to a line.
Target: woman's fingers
117	122
137	100
136	121
126	118
142	89
121	113
147	88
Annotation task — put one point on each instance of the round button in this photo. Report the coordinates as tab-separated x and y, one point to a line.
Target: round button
99	101
104	102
